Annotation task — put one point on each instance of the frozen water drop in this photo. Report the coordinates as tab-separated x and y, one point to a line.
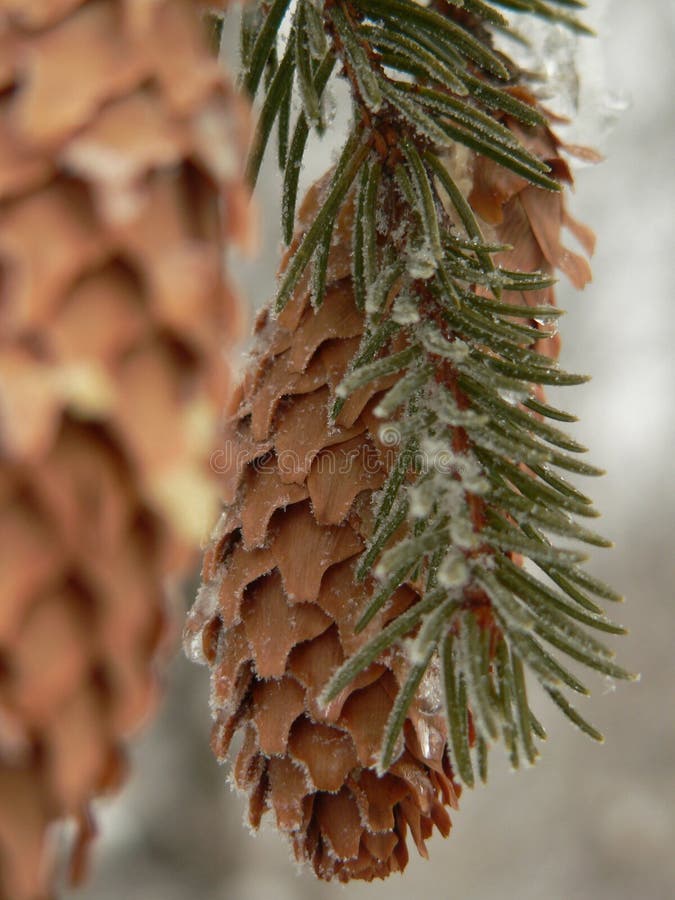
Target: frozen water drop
430	693
202	611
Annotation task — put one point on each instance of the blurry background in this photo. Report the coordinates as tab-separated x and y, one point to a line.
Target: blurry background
588	822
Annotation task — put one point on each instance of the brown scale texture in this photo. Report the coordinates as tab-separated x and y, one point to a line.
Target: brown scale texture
120	157
276	612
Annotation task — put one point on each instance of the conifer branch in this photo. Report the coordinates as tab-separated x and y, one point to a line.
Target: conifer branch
477	477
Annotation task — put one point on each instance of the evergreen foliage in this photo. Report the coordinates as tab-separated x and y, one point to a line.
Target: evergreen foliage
478	469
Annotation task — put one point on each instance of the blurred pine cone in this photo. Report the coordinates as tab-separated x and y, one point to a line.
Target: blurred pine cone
120	183
276	612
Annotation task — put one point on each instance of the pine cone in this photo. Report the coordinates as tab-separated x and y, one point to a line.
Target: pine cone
276	613
277	610
120	158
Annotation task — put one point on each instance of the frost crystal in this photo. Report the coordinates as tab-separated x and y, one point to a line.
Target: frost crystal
422	497
453	571
405	311
462	533
422	263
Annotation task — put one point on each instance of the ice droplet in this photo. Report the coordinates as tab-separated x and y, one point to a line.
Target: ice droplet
329	107
577	85
431	740
430	694
203	609
193	645
424	737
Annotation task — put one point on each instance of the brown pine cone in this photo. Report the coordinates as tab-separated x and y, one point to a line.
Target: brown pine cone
120	183
277	609
276	613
